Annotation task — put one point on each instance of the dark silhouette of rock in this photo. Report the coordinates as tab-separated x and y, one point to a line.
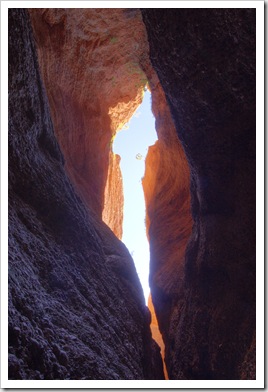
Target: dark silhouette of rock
205	61
99	73
76	308
75	302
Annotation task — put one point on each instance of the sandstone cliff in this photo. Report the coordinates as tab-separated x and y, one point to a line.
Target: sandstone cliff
110	76
166	185
112	213
76	308
75	303
90	63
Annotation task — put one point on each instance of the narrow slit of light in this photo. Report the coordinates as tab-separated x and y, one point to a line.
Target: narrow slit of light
132	145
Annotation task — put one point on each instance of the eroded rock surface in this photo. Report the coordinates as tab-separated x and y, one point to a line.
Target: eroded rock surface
166	185
205	60
156	334
75	303
90	62
112	213
76	308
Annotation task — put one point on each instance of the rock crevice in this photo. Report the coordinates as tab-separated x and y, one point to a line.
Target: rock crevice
209	82
76	307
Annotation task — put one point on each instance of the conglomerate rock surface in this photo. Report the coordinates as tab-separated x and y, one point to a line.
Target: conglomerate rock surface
205	61
76	308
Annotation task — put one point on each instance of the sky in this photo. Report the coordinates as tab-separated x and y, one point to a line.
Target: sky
132	145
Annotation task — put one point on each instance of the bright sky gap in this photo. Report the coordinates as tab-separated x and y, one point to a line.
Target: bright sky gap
132	145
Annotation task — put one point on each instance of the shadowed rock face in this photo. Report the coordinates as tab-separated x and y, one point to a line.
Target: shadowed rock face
205	61
75	303
103	64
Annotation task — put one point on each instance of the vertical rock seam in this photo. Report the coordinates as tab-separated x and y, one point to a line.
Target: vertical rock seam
205	61
75	302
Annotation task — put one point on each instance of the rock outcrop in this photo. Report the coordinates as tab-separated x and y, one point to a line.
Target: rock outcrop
90	63
113	53
112	213
166	185
156	334
205	61
76	307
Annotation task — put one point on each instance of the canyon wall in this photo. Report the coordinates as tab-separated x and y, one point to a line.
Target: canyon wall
166	185
76	307
112	213
95	65
205	61
90	63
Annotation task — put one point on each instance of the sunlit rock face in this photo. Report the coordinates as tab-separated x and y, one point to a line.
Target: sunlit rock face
166	185
205	61
90	62
112	213
75	303
76	308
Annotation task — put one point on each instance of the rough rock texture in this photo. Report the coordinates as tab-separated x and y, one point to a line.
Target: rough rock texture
205	60
90	63
168	215
166	185
75	303
156	334
112	213
117	59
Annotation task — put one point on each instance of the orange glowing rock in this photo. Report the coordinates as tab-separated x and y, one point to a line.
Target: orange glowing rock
95	67
156	334
90	60
112	213
166	185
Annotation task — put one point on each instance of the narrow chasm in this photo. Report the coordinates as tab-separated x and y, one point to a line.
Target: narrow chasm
95	84
131	145
76	305
79	307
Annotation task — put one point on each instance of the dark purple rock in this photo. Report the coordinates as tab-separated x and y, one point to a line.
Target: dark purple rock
72	314
205	60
